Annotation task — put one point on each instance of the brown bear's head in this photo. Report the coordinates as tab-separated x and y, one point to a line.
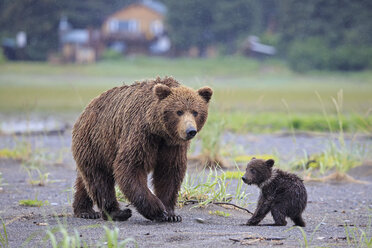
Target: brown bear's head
258	171
183	110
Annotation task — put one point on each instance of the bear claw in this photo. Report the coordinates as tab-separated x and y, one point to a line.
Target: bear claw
90	215
169	218
174	218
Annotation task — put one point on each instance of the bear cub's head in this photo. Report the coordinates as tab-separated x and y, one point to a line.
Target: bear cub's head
183	110
258	171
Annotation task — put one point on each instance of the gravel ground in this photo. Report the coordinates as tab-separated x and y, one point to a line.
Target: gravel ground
330	206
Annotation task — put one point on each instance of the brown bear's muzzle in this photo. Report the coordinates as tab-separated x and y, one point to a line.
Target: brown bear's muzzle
190	133
187	126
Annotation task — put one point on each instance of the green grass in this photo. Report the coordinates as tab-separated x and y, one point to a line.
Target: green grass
219	213
4	241
359	237
247	93
211	186
33	203
60	237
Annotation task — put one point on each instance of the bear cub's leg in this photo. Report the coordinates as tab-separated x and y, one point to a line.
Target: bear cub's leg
278	216
298	221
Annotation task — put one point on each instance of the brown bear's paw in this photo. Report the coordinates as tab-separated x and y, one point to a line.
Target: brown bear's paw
88	215
118	215
174	218
168	218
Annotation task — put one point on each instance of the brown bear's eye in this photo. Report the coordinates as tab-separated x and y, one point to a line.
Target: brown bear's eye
253	171
179	112
194	113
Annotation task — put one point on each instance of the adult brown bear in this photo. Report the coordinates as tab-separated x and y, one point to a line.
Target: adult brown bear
127	132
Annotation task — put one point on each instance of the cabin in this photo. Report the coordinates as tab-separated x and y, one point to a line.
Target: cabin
137	28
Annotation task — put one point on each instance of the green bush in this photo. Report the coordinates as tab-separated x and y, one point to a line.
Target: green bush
110	54
351	58
2	56
309	54
316	54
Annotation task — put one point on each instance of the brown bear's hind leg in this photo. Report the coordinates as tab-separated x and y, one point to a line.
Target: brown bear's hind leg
102	189
83	204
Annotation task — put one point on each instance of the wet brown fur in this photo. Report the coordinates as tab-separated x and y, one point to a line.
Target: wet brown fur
128	132
282	193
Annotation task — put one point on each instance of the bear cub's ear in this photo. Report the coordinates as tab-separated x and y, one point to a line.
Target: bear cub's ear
206	93
270	162
162	91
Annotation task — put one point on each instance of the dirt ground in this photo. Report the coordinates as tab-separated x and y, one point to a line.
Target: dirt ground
330	206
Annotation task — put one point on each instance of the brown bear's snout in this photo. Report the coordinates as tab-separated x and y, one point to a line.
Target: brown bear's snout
190	133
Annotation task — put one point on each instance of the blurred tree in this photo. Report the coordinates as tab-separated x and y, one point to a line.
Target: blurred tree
201	23
343	26
234	19
190	23
40	18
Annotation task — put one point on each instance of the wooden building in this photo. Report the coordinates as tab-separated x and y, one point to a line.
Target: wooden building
137	28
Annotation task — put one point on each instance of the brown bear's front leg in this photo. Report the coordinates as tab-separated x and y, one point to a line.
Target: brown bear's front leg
132	182
168	176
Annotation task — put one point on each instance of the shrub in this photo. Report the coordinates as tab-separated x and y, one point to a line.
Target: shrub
317	54
110	54
309	54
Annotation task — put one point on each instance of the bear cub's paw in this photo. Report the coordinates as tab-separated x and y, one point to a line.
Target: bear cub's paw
252	222
118	215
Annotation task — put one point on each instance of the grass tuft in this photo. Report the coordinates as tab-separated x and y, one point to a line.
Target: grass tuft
211	187
33	203
219	213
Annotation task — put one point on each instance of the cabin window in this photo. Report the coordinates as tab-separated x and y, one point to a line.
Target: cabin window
124	25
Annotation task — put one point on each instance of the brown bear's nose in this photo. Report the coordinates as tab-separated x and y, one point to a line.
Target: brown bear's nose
190	133
244	179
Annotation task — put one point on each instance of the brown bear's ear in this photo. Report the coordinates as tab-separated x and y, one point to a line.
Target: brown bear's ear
161	91
206	93
253	158
270	162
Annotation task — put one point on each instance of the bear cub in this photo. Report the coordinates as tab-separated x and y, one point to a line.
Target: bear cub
282	193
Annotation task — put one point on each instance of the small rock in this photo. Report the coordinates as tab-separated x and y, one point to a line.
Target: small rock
200	220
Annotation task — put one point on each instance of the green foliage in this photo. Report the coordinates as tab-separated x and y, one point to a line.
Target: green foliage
315	53
111	239
309	54
4	236
211	139
2	57
306	242
33	203
208	188
60	237
219	213
110	54
359	237
68	240
40	19
203	23
326	35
